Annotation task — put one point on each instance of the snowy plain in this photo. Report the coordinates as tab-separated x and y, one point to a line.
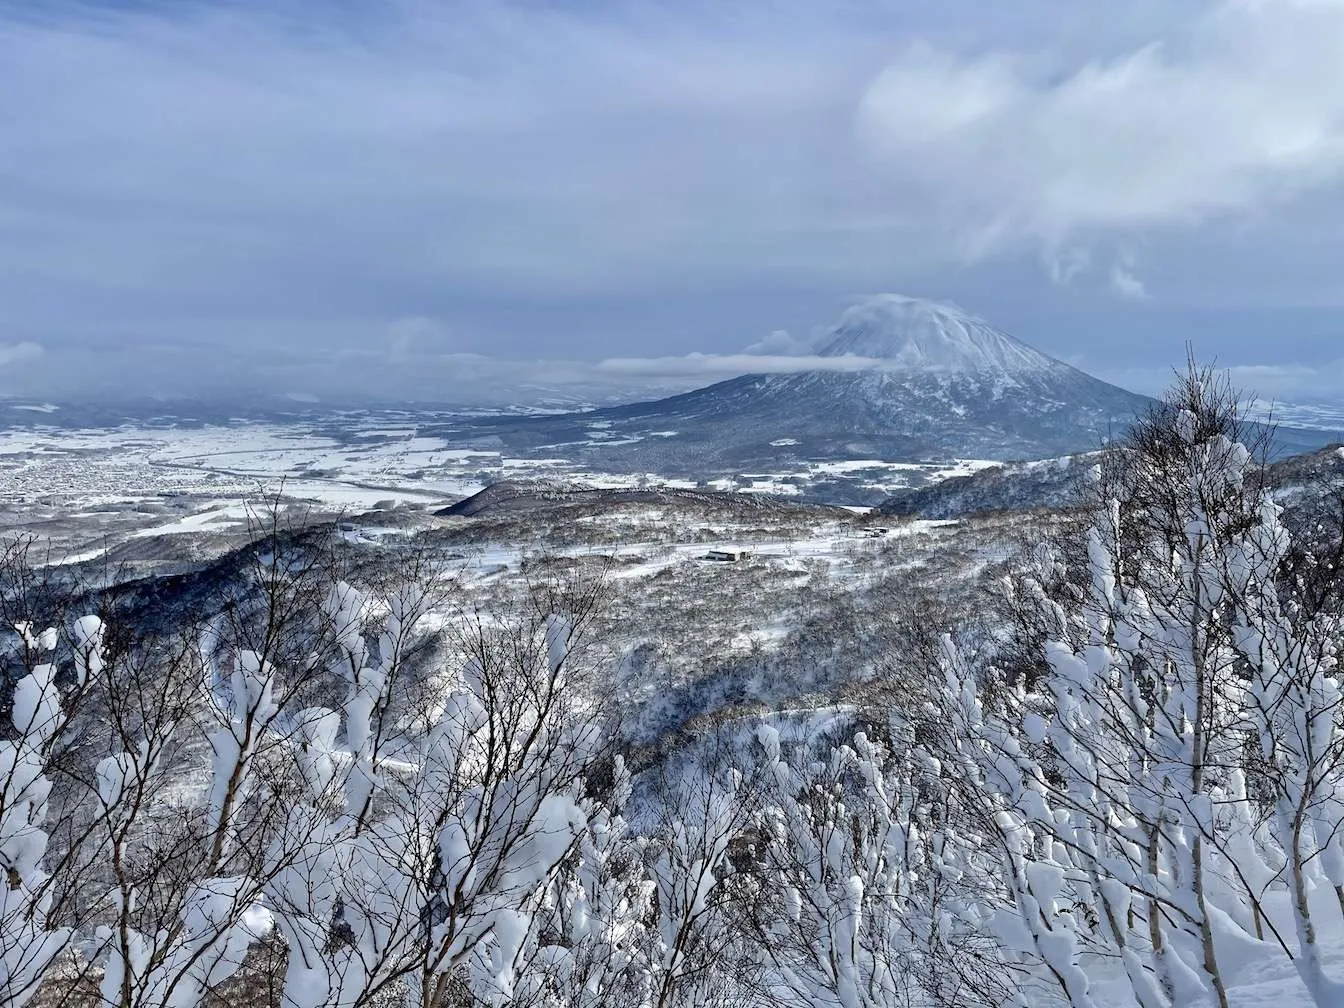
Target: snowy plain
83	487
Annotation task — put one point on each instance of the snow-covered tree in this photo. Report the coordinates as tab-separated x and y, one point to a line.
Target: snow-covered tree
28	944
871	883
597	947
1295	708
404	844
1183	686
701	809
431	855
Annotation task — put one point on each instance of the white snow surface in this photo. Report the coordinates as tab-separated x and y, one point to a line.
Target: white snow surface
909	333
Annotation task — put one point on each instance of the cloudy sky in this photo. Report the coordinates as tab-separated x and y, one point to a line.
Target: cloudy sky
442	198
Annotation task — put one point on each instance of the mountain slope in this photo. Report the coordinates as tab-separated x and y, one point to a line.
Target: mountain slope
911	380
897	379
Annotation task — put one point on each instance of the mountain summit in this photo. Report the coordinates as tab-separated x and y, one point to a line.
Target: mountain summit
926	335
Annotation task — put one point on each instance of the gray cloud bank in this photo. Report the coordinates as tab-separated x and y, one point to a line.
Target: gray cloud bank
261	194
399	370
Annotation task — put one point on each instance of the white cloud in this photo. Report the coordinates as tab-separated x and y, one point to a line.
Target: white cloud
1066	263
1126	284
1124	280
17	353
779	343
729	365
1239	112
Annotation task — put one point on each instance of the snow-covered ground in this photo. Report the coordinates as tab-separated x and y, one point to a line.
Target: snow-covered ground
81	488
1310	415
841	548
356	466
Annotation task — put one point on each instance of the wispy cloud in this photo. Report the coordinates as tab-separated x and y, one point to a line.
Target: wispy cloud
1124	280
780	343
17	353
710	366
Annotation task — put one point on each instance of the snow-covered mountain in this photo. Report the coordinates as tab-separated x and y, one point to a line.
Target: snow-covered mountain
909	334
912	380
